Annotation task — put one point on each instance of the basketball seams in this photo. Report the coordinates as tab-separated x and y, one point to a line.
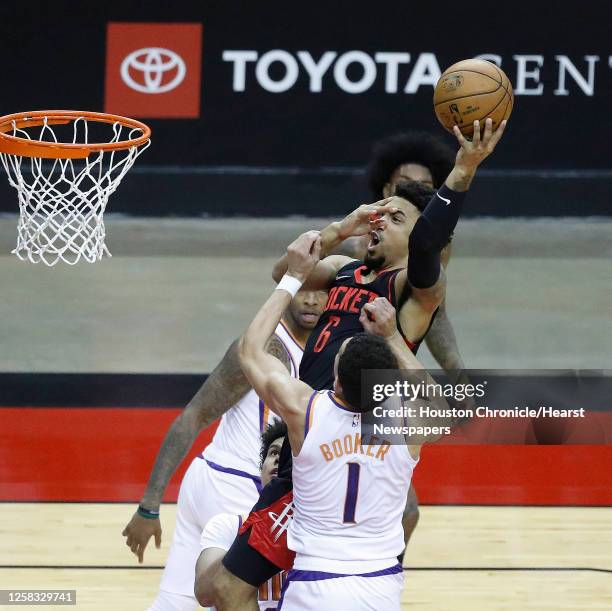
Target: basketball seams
502	79
470	95
467	125
499	86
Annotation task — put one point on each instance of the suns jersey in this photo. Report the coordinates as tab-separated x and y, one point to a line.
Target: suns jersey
237	441
220	532
340	319
349	493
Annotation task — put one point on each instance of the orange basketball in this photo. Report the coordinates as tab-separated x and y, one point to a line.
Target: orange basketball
472	89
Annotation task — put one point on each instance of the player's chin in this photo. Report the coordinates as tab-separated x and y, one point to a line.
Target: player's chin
374	260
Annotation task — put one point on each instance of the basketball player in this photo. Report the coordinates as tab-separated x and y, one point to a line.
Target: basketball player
397	232
346	541
220	531
225	478
422	157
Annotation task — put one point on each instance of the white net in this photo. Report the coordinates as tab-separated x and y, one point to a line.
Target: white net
62	201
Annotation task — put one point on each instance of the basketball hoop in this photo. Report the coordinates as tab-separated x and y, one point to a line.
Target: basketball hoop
65	164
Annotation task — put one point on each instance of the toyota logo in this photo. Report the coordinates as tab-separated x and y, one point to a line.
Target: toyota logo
155	70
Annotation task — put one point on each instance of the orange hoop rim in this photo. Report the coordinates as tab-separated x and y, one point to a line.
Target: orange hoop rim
16	145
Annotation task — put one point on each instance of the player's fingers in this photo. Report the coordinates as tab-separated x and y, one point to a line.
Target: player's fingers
315	247
460	137
499	132
158	539
488	130
125	532
140	553
476	136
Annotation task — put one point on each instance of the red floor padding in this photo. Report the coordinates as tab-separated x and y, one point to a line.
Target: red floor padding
105	454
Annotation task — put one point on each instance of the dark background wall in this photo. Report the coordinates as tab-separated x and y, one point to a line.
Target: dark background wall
297	151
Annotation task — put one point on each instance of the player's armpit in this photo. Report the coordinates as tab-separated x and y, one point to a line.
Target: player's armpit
288	398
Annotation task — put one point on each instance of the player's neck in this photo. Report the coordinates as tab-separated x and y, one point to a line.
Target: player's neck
300	334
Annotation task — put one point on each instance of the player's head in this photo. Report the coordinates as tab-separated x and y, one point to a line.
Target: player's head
306	307
271	442
389	239
413	155
362	351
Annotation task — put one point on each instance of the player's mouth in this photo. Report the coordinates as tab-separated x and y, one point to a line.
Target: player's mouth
309	317
374	240
274	472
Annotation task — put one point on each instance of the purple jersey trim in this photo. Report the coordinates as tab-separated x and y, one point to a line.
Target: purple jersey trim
254	478
346	409
295	575
306	427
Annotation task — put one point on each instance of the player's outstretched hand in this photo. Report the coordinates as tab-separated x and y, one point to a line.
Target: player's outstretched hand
303	254
138	532
378	318
359	221
473	153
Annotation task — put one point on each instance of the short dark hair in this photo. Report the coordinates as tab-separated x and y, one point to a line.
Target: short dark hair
363	351
274	431
415	192
418	147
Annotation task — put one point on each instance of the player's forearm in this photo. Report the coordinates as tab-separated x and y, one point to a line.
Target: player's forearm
176	444
460	178
224	387
442	344
331	238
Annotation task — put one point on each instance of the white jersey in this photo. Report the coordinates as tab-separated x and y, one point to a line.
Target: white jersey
237	441
349	493
220	532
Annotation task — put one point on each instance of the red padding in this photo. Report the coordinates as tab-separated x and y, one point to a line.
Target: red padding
106	454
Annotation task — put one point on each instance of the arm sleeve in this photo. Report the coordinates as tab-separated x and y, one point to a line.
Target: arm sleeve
430	234
220	531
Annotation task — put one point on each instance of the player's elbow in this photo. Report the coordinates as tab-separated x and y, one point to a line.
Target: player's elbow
204	586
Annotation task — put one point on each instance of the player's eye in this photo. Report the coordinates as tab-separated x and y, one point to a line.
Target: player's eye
396	219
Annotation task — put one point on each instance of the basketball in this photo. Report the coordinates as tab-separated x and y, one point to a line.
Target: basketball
470	90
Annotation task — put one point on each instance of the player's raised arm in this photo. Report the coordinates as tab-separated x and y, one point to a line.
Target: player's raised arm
357	223
285	395
436	224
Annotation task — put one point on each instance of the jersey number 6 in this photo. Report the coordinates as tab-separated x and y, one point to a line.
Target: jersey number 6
325	334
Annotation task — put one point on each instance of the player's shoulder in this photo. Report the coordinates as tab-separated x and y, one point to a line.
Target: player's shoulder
342	264
221	530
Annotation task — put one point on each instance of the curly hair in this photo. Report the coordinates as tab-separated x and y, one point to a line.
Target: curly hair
363	351
415	192
417	147
274	431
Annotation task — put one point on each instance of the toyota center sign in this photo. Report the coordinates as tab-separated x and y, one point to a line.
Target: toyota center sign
153	69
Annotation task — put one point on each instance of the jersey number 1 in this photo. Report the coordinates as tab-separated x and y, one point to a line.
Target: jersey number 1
352	491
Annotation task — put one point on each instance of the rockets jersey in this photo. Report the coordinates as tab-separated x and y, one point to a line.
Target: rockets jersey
220	532
237	441
340	320
349	493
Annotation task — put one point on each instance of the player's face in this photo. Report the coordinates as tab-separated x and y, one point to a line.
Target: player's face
389	237
408	171
306	307
269	468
